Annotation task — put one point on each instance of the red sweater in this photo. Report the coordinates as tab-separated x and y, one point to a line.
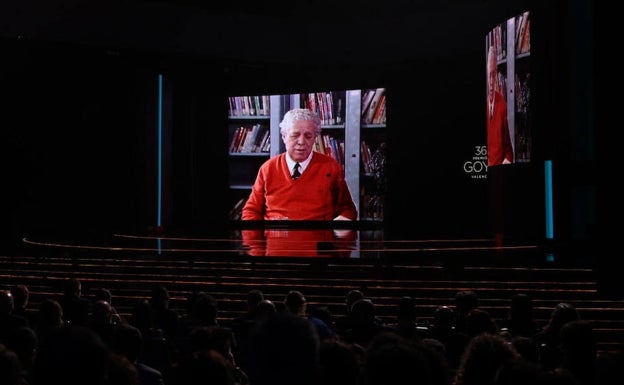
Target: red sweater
498	139
320	193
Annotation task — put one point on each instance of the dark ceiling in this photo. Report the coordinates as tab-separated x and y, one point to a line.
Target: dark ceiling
263	31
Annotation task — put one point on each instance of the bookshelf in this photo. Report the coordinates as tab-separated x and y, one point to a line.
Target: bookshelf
361	142
373	147
358	146
512	40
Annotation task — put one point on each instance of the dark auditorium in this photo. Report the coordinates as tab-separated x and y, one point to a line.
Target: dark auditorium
308	192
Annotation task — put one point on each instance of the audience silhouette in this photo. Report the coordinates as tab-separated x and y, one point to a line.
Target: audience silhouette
548	339
11	372
284	351
128	341
8	320
21	296
482	359
294	344
76	308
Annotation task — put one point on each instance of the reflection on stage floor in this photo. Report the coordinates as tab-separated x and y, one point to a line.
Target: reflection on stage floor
291	242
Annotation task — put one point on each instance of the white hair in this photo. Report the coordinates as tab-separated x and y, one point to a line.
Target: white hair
299	114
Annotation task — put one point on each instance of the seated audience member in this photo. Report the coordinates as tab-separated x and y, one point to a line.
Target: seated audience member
485	355
104	294
8	320
284	351
296	303
442	328
221	340
365	324
203	368
520	321
340	363
128	341
11	372
241	326
24	342
343	322
548	339
21	298
465	301
164	317
76	308
479	321
49	317
406	324
391	359
102	321
157	348
579	352
72	355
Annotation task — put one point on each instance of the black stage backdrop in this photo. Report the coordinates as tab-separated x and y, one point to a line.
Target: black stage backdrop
79	135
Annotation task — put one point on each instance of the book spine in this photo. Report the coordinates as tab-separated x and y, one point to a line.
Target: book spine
380	111
367	98
368	119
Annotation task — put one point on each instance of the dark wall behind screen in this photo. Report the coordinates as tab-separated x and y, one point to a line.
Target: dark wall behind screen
78	129
73	143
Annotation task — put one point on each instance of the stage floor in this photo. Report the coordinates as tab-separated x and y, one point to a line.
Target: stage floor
369	245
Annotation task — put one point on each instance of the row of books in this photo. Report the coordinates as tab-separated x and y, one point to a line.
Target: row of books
333	147
523	92
367	156
523	33
251	139
328	105
257	139
328	145
257	105
497	37
374	106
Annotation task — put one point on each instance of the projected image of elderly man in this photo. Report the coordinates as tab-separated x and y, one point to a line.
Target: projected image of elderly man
300	184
